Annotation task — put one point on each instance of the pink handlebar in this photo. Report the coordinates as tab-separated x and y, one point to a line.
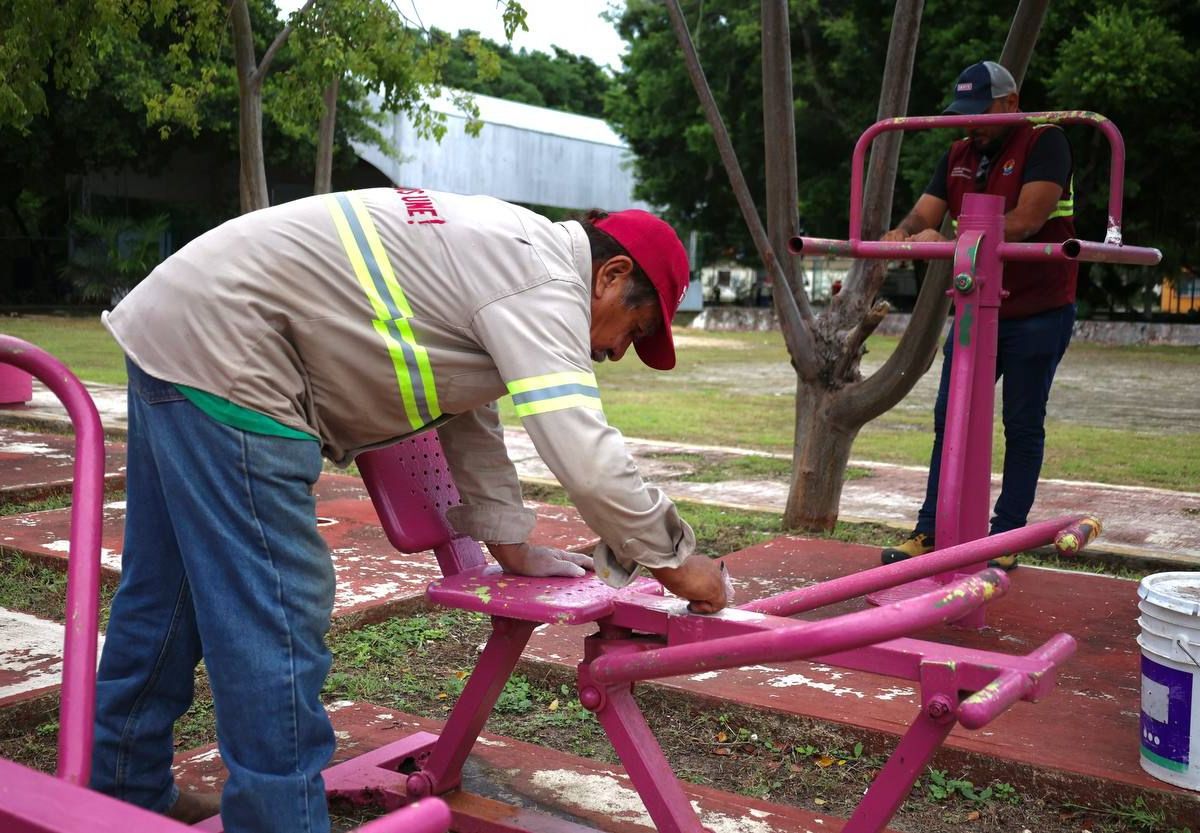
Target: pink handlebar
1110	251
809	639
984	705
83	566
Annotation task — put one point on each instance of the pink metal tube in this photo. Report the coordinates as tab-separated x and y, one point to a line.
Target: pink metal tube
1081	250
77	711
986	704
1115	142
903	572
429	815
871	249
809	639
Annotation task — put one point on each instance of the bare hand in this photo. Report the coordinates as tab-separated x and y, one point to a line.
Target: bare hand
704	583
536	560
896	235
930	235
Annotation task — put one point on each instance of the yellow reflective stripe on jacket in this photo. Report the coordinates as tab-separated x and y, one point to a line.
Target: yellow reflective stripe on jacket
371	266
1065	207
555	392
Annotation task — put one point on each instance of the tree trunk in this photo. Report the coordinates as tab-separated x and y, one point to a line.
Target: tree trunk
252	180
323	181
819	462
822	442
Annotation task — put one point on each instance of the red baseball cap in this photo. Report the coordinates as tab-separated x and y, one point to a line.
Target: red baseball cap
656	249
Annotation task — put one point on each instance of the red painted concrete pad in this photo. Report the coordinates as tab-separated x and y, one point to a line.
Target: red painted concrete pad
573	790
374	581
34	465
369	570
1088	727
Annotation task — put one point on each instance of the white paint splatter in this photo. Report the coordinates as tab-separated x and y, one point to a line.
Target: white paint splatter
801	680
607	794
707	675
32	649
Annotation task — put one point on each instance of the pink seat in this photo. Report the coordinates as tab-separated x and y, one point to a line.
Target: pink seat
562	601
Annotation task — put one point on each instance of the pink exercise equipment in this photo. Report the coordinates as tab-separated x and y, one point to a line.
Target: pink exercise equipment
32	801
637	633
978	254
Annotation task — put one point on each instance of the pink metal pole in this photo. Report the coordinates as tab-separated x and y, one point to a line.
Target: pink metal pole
429	815
985	705
1080	250
1116	145
77	711
808	639
894	782
638	750
903	572
443	770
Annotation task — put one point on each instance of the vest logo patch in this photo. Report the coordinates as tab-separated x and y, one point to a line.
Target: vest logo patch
964	172
1009	167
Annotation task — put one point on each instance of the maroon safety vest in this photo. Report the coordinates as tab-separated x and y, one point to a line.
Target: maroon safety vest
1031	287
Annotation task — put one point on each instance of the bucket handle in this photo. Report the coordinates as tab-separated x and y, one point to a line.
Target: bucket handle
1183	646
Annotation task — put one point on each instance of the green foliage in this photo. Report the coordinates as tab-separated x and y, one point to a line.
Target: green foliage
392	640
1128	60
111	255
939	786
560	81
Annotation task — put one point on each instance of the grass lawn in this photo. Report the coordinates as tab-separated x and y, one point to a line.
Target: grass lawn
80	342
735	389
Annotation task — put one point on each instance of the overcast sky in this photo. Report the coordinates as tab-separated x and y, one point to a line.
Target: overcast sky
575	25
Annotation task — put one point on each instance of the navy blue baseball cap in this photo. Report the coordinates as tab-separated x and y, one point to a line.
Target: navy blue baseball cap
977	87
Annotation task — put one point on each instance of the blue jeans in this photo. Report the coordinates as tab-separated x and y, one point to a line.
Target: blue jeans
1028	351
222	561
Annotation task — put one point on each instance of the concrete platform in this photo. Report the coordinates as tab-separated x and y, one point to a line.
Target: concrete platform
374	581
1088	729
36	465
534	778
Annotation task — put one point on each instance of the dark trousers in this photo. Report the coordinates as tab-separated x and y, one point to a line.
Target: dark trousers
1028	351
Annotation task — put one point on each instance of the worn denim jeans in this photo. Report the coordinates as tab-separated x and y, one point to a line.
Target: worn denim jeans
222	561
1028	351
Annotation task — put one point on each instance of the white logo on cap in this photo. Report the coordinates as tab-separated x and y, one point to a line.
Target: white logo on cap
966	86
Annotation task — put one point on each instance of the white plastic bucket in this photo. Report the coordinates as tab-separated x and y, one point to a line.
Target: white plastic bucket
1170	643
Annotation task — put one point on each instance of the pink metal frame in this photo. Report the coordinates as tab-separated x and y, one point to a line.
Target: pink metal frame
31	801
979	253
641	634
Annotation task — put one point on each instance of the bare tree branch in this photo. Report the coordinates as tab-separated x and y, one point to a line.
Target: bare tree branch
914	354
863	284
779	139
797	315
1022	37
268	57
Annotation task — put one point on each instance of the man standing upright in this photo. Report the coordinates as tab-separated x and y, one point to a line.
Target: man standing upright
1029	165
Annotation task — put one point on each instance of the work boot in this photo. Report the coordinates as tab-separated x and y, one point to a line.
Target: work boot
1007	563
917	543
193	807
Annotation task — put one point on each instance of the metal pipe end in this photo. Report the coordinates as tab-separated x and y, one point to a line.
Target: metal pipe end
796	245
1071	248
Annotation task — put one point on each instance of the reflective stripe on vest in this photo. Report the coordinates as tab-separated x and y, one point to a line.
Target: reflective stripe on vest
392	313
1063	208
555	392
